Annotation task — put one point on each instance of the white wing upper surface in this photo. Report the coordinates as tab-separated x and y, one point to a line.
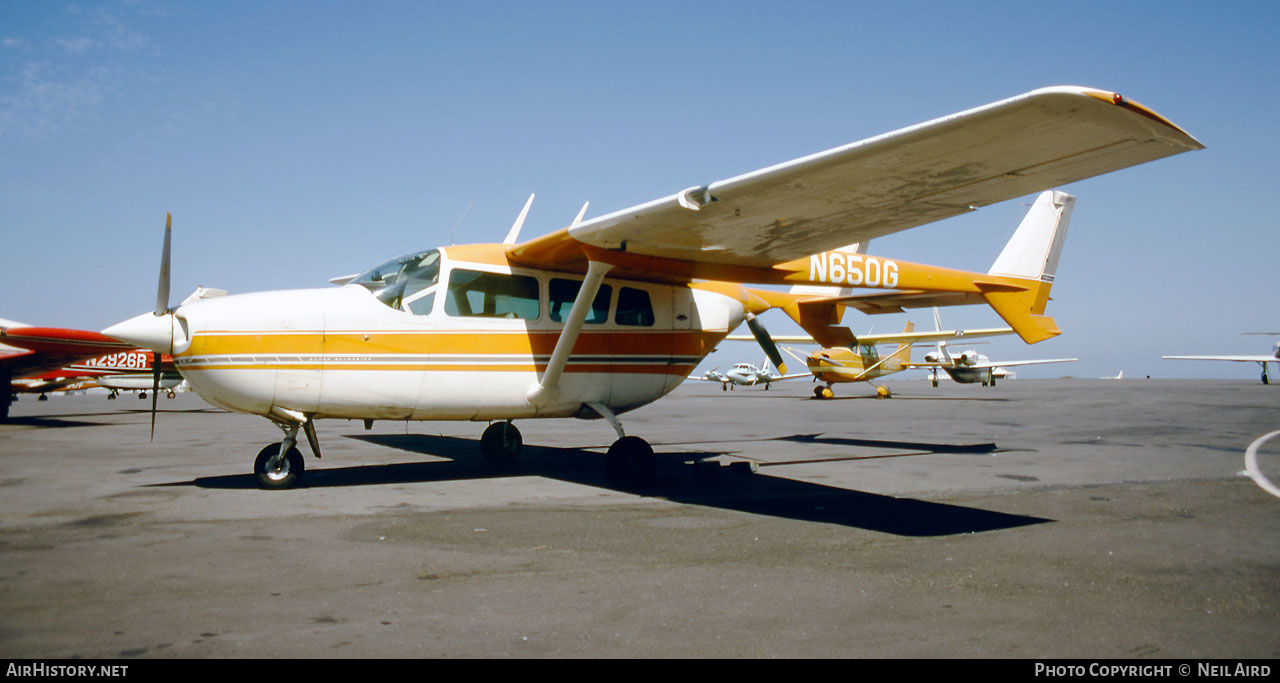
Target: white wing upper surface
892	182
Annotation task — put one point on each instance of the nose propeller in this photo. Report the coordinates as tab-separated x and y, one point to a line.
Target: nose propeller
162	310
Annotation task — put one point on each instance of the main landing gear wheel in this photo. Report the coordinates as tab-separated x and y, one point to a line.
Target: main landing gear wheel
631	462
823	392
501	443
286	472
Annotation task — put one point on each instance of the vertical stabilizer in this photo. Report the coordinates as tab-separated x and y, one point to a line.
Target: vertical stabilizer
1031	256
1036	245
903	352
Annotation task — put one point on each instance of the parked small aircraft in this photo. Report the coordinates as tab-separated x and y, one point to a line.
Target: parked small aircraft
971	367
32	359
862	361
1260	359
747	375
131	370
613	312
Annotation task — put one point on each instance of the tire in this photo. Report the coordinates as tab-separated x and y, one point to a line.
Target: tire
501	443
286	477
632	462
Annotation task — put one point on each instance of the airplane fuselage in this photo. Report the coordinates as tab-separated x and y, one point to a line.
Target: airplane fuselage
835	365
471	346
965	375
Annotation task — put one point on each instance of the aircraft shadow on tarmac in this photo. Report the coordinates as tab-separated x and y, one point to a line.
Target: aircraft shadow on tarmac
683	477
754	393
51	421
62	420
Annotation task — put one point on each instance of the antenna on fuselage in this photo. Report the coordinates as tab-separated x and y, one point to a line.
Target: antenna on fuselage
457	222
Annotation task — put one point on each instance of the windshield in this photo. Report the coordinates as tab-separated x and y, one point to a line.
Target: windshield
406	283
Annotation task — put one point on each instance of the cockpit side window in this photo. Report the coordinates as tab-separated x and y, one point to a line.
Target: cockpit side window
476	294
407	283
561	297
634	308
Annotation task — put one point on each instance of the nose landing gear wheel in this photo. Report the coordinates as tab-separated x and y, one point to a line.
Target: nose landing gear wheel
286	472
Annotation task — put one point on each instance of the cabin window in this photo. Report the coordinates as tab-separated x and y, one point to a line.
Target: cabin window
562	294
475	294
421	305
407	283
870	355
634	308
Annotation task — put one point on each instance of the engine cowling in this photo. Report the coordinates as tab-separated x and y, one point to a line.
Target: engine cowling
969	358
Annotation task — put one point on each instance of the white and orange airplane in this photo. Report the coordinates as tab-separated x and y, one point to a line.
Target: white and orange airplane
611	313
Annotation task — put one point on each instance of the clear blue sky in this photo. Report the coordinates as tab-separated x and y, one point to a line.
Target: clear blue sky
297	141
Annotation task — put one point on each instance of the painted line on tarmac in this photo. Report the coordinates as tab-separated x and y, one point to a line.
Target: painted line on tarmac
1251	465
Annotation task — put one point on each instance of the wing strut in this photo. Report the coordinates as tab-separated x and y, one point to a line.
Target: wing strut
569	335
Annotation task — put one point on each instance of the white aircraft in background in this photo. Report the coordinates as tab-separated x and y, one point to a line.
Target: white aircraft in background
1260	359
747	375
612	313
971	367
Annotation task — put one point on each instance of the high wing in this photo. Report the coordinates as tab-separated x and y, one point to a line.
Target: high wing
881	185
895	337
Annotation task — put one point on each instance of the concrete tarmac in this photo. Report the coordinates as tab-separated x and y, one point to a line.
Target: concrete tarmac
1035	519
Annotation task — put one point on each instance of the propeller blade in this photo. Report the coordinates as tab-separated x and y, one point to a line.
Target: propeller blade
162	290
766	342
155	390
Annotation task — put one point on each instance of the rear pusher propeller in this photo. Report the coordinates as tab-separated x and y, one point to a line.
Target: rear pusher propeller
766	342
